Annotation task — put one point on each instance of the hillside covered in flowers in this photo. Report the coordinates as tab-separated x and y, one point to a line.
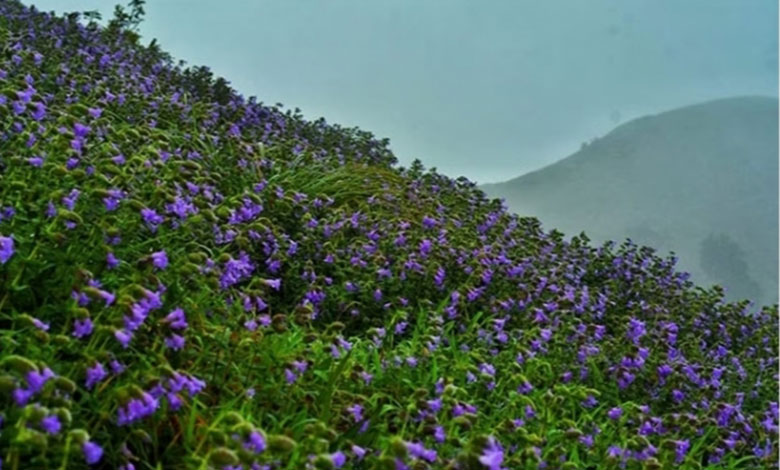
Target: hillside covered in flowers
190	279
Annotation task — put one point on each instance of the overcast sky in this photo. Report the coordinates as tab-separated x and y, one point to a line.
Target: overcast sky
485	89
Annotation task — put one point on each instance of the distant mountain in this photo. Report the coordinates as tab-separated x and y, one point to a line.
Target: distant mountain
699	180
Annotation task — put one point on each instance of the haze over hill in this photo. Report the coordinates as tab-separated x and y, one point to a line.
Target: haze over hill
699	180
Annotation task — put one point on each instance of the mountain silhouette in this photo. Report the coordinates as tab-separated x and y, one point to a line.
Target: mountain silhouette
699	181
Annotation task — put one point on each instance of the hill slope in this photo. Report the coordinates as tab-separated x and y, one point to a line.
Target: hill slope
192	280
700	181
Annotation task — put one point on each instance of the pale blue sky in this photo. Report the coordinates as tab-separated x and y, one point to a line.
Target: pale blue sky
485	89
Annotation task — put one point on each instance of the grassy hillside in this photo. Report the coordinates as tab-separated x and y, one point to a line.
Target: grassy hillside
190	279
700	181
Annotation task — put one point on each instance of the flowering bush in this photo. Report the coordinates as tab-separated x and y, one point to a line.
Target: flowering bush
192	279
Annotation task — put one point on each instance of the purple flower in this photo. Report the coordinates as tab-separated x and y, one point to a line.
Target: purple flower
175	342
137	408
22	396
39	112
546	334
112	261
123	337
51	424
92	452
681	448
636	329
615	413
614	451
290	375
235	271
36	380
418	451
40	325
338	459
6	248
95	374
255	442
358	451
439	277
151	218
116	366
176	319
425	247
80	130
174	401
160	259
438	434
590	402
492	455
357	412
587	440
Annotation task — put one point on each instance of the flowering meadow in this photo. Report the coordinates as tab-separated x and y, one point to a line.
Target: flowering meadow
190	279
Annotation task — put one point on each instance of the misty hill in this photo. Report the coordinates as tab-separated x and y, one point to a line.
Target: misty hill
699	180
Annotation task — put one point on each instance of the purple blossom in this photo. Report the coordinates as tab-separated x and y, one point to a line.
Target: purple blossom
418	451
681	448
112	261
636	329
176	319
175	342
438	434
358	451
357	412
95	374
492	456
6	248
40	324
160	259
51	424
615	413
151	218
137	408
255	442
236	270
92	452
36	380
338	458
124	337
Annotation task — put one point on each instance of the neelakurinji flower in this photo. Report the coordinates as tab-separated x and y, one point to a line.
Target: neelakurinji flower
255	442
111	261
92	452
176	319
95	374
6	248
338	458
492	455
159	259
51	424
175	342
124	337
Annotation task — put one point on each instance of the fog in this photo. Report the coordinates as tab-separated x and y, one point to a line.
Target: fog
487	90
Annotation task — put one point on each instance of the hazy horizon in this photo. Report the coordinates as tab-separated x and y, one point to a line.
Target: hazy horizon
487	93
